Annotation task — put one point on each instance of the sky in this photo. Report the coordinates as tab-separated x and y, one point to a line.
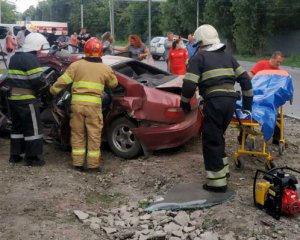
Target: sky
22	5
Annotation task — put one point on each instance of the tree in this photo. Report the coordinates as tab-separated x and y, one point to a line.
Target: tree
219	14
8	12
252	24
179	16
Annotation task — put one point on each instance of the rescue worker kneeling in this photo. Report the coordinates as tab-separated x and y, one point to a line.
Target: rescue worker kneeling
25	80
88	78
215	72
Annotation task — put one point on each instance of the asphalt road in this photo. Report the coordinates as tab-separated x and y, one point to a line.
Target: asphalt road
290	110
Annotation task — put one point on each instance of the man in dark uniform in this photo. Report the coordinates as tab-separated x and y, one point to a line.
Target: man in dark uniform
82	38
215	72
52	37
25	80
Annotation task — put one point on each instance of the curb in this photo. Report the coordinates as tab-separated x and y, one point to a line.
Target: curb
292	116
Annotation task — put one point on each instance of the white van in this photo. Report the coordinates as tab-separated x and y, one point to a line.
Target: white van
4	28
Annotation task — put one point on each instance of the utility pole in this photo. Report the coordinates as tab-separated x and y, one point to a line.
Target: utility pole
149	21
112	16
0	11
81	13
197	13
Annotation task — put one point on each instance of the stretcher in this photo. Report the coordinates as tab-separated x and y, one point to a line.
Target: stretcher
250	130
271	90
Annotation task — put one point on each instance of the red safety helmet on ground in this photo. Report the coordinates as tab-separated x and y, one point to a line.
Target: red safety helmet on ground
93	47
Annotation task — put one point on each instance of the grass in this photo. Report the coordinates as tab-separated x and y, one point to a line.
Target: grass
104	198
291	61
121	43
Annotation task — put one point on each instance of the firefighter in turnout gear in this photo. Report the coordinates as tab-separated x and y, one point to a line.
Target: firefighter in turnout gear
215	72
88	77
25	80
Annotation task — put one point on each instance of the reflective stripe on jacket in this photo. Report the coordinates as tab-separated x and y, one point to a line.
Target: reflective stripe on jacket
25	76
209	69
88	79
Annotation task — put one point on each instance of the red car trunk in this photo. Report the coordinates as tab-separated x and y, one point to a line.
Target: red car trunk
150	104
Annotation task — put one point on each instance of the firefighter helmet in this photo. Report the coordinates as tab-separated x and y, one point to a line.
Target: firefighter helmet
208	37
93	47
34	42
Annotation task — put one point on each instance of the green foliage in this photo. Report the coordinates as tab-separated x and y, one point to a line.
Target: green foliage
219	14
8	12
179	17
244	24
253	23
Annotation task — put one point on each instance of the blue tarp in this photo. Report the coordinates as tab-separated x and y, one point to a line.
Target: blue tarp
271	89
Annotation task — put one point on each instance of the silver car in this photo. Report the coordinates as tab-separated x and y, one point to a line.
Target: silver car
157	48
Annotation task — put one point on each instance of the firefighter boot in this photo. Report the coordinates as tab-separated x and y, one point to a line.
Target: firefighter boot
94	170
15	159
79	168
222	189
34	161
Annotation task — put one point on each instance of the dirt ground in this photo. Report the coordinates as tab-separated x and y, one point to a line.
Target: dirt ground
38	203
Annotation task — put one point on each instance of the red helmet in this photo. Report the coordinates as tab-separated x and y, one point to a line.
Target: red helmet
93	47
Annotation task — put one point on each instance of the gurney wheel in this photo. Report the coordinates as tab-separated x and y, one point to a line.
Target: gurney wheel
270	165
281	148
239	163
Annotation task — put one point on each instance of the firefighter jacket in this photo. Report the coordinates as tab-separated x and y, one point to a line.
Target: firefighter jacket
24	77
215	73
25	80
88	78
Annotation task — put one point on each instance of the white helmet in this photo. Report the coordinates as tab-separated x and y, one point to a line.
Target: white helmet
34	42
208	37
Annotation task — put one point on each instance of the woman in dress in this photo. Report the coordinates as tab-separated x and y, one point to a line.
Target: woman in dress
178	58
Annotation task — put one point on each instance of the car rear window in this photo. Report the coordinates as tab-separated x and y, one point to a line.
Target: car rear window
16	30
155	40
3	32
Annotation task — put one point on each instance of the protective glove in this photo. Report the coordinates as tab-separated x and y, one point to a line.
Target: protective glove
186	107
247	103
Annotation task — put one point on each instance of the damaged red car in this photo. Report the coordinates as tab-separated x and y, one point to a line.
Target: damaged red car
144	113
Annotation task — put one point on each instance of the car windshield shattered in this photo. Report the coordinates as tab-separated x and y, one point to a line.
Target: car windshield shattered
144	73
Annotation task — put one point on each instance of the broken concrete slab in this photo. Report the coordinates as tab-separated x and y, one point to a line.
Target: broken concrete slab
109	230
182	219
81	215
171	227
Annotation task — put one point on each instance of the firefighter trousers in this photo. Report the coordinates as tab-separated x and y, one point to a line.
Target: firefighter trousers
86	127
26	134
218	112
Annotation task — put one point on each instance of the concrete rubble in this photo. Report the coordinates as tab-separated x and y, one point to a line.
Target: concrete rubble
133	223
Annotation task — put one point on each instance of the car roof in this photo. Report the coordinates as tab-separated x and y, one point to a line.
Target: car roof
114	60
175	37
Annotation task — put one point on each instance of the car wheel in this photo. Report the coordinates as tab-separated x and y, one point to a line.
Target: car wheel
155	57
122	140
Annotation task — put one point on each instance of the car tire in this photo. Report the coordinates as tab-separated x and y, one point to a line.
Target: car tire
155	57
122	140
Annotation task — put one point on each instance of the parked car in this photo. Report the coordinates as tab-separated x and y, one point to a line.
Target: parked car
144	113
4	28
157	48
